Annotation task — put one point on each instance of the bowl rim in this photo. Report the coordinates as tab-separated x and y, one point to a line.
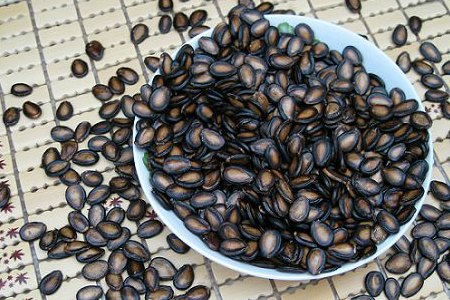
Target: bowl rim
172	221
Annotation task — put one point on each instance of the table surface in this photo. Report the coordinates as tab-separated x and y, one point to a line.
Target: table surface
38	41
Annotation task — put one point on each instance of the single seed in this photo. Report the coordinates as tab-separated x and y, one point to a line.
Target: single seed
64	111
400	35
165	24
415	24
95	50
11	116
21	89
51	283
139	33
31	110
180	22
353	5
430	52
79	68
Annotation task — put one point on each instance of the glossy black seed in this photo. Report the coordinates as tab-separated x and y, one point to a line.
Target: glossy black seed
136	251
165	5
430	52
166	270
165	24
85	157
198	17
415	24
400	35
76	196
374	283
11	116
127	75
48	240
95	270
79	68
116	86
411	285
98	194
176	244
90	292
95	50
102	92
392	289
32	231
149	229
64	111
180	22
152	63
353	5
139	33
21	89
398	263
51	282
315	261
437	96
31	110
404	62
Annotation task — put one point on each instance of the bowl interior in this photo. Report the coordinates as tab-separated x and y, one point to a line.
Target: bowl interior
375	61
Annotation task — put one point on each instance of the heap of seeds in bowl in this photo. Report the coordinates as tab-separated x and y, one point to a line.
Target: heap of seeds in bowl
279	151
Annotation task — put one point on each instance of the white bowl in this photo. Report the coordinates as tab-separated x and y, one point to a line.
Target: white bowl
375	61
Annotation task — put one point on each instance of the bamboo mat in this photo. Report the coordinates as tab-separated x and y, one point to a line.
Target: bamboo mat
38	41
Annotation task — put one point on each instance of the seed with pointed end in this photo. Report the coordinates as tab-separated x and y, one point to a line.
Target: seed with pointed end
374	283
51	282
139	33
411	285
415	24
64	111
